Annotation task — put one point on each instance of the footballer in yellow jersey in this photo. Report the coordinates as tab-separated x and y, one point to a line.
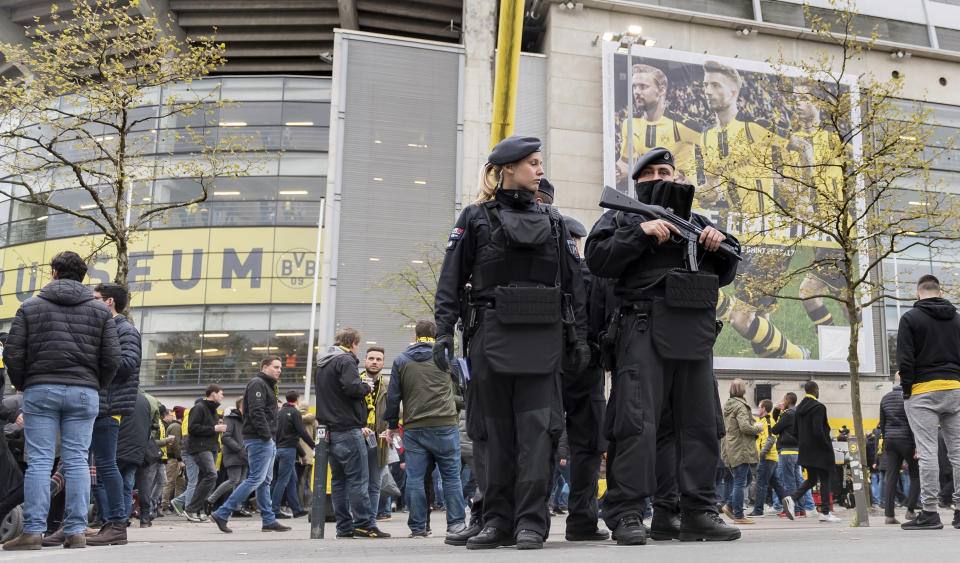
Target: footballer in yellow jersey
727	146
656	127
821	166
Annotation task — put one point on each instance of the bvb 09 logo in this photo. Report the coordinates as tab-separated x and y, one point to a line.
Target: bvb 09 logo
295	268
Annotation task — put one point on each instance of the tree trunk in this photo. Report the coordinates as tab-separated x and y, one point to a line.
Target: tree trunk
123	269
858	458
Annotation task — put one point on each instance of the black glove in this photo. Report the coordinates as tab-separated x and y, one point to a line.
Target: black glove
442	350
581	356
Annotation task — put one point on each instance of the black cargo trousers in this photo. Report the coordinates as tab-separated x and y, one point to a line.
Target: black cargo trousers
644	387
583	403
517	419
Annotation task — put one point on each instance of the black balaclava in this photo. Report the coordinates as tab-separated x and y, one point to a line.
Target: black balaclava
669	195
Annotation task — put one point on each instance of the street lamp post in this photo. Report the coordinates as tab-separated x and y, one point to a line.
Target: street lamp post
627	40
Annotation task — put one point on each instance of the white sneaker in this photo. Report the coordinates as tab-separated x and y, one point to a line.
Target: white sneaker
789	506
828	518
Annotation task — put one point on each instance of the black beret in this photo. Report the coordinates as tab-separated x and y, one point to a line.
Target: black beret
513	149
575	227
546	187
658	155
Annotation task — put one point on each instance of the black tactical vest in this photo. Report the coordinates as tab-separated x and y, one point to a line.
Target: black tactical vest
522	249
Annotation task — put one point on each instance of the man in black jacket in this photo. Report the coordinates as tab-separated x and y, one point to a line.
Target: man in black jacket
788	447
259	429
131	447
289	432
928	355
341	407
898	447
204	429
816	448
61	350
116	401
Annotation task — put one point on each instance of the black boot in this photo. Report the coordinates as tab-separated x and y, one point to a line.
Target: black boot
490	538
528	539
665	526
630	531
706	526
956	518
924	521
460	537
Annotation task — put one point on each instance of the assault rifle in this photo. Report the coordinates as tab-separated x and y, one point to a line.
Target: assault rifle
689	233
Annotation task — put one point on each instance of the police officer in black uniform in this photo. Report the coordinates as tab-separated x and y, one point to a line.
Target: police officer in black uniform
665	330
583	403
512	268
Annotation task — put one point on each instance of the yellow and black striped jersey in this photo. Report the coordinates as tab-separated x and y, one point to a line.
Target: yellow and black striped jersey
740	157
670	132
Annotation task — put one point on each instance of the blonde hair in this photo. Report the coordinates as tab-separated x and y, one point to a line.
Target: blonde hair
738	388
490	176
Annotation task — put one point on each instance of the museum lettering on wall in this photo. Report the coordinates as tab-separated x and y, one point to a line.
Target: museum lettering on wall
233	265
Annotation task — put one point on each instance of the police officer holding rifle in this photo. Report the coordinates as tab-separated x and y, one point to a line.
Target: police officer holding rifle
524	309
667	273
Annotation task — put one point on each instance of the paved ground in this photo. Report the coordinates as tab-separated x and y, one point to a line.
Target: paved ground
175	540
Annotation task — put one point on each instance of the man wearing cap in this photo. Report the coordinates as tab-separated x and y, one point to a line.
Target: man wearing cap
511	271
583	404
664	354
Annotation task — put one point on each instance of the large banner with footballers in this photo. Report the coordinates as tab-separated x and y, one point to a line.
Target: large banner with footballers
702	108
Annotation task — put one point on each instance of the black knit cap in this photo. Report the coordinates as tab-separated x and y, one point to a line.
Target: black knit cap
513	149
658	155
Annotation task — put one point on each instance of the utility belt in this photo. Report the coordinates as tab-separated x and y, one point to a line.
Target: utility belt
523	328
679	310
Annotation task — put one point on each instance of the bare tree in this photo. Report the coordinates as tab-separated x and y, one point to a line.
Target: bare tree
87	115
409	292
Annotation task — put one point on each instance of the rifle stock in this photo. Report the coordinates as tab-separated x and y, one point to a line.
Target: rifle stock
612	199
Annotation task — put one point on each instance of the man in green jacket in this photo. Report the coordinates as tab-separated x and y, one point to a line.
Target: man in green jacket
429	397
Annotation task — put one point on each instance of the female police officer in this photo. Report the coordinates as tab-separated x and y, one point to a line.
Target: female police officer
512	273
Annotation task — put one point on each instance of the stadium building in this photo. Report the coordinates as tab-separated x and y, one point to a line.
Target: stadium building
379	115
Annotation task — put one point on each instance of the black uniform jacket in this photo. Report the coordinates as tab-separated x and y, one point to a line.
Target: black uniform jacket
471	233
618	248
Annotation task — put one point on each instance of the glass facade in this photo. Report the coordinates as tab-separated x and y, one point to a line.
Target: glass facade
219	284
941	258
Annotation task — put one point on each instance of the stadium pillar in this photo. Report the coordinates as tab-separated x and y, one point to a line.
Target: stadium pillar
508	70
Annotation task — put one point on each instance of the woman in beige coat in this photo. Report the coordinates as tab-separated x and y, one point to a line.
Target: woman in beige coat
739	447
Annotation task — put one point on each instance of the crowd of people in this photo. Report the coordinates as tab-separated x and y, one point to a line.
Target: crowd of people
517	426
911	453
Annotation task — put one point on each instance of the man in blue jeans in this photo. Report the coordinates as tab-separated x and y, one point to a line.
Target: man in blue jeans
767	469
61	350
342	408
429	396
259	428
788	446
116	401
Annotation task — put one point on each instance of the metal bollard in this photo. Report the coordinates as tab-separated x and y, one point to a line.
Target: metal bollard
318	512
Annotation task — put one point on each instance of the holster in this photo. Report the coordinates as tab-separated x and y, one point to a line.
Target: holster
608	342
